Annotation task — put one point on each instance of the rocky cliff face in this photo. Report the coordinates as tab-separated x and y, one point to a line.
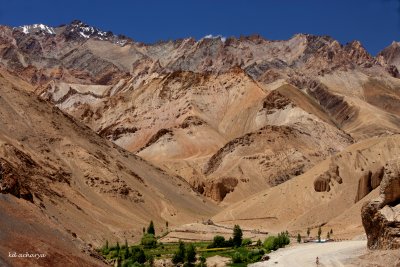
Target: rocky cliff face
381	217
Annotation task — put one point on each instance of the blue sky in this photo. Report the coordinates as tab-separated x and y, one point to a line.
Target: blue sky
376	23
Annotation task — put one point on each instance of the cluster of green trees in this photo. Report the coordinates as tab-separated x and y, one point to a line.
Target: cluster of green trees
275	242
126	256
242	253
149	239
328	234
234	241
134	256
186	254
240	250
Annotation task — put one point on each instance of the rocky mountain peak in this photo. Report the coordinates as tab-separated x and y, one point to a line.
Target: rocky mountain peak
76	30
36	29
79	29
390	55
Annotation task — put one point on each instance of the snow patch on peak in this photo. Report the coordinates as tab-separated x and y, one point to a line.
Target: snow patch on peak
83	30
210	36
394	43
87	31
34	28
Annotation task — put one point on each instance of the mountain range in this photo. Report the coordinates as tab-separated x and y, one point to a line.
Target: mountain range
101	134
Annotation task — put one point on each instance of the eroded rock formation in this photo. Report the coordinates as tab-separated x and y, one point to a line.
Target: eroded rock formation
368	182
217	190
381	217
323	182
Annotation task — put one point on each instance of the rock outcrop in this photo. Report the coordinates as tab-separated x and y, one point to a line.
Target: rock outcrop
368	182
324	182
381	217
217	190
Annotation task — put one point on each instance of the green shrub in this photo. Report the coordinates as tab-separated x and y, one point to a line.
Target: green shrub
220	242
246	242
148	241
237	258
273	242
255	255
131	263
114	254
202	262
150	259
269	243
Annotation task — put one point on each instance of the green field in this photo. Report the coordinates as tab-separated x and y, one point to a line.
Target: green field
239	250
166	250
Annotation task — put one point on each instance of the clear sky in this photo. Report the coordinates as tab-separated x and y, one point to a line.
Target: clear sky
376	23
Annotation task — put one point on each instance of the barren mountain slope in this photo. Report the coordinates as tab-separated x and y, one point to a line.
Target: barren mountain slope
187	121
24	228
333	189
207	110
79	182
189	106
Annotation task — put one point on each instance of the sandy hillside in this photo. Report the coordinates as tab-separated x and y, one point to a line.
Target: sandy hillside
78	183
330	194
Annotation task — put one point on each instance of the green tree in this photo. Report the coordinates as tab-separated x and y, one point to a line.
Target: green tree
218	242
328	235
138	255
179	255
237	236
308	232
106	249
191	254
117	248
259	243
126	243
319	233
298	238
127	255
150	229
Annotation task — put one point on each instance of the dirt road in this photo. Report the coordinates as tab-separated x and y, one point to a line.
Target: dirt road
330	254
